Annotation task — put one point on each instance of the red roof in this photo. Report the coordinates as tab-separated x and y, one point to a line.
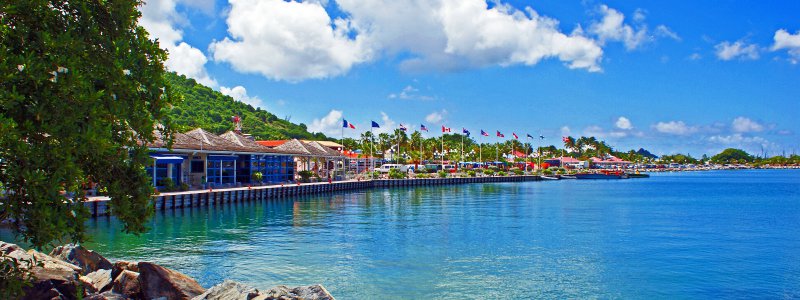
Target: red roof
567	159
272	143
518	154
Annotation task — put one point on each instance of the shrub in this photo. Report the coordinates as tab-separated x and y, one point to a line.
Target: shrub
396	174
494	169
547	172
167	185
184	186
256	176
516	171
305	175
488	172
501	173
471	173
442	174
423	175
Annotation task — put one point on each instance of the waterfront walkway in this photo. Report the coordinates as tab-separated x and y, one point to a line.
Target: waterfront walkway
98	206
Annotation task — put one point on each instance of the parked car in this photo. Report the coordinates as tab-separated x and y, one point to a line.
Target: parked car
386	167
450	168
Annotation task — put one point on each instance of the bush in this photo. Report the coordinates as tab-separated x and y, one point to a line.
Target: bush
442	174
488	172
547	172
501	173
396	174
423	175
256	177
471	173
184	186
516	171
494	169
305	176
167	185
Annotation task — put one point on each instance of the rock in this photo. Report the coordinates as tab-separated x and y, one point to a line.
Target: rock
123	265
229	290
88	260
98	281
106	296
53	278
127	284
157	281
311	292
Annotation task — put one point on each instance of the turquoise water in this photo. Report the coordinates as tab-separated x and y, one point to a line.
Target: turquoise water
725	234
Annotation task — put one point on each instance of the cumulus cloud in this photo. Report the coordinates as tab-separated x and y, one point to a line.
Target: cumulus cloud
330	124
565	131
612	27
742	124
623	123
162	21
790	42
239	93
736	50
435	117
287	40
674	128
740	141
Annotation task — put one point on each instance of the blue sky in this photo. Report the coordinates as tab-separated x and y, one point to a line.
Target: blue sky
688	77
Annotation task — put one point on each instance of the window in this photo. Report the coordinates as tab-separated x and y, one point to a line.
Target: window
197	166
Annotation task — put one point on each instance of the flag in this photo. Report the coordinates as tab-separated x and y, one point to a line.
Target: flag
565	139
515	135
530	136
352	126
541	137
500	134
375	125
346	124
484	133
422	127
445	129
403	128
465	131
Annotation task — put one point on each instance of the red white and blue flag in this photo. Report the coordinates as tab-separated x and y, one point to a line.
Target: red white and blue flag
403	128
422	127
346	124
530	136
515	136
484	133
500	134
464	131
445	129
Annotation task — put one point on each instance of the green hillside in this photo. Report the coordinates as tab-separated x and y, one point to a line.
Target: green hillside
203	107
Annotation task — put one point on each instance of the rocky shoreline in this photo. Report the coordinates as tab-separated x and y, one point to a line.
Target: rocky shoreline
74	272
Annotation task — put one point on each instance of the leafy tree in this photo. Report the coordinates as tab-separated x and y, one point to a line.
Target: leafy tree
732	155
82	90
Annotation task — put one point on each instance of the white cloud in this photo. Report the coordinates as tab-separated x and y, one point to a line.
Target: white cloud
595	131
623	123
790	42
408	93
736	50
662	30
742	124
287	40
565	131
388	124
435	117
330	124
161	19
695	56
239	93
740	141
613	28
674	128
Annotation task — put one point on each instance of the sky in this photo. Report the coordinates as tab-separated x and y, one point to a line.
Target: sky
672	77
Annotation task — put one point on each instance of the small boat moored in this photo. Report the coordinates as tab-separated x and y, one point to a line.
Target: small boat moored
549	177
602	175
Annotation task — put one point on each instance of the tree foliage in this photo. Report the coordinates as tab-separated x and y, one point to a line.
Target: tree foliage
82	90
211	110
732	155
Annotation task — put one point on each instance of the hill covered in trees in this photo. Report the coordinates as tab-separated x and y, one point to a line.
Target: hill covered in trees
203	107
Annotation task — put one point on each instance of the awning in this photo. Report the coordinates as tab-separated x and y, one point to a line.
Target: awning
168	159
223	157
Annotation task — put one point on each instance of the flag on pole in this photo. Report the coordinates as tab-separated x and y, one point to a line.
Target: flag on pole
500	134
484	133
445	129
565	139
422	127
375	125
541	137
346	124
465	131
403	128
515	136
530	136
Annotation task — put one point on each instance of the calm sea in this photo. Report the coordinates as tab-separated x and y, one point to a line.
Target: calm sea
723	234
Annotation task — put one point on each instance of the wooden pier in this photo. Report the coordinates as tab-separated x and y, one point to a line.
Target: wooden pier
211	197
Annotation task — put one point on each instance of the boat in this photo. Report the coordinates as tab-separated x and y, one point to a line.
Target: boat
602	175
638	175
568	177
549	178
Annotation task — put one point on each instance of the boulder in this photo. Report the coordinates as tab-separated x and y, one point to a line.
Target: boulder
106	296
127	284
281	292
122	266
98	281
228	290
88	260
157	281
53	278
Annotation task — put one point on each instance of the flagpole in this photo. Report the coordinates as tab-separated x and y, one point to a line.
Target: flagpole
371	158
442	149
462	148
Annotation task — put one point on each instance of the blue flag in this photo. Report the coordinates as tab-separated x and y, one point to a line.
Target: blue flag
465	131
375	125
530	136
344	123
